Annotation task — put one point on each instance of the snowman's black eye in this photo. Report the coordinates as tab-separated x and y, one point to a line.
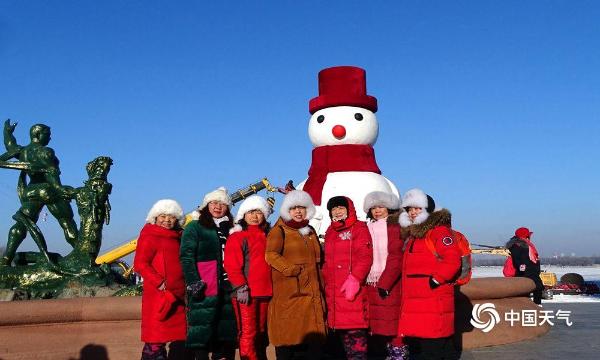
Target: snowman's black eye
358	116
320	118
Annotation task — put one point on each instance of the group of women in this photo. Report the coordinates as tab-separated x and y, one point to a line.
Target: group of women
229	281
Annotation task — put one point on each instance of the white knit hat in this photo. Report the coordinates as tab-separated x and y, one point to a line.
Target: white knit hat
219	195
253	202
297	198
166	207
380	198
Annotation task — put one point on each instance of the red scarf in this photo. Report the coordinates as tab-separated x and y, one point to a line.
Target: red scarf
295	224
337	158
533	253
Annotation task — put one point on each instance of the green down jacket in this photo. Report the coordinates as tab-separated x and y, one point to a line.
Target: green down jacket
209	317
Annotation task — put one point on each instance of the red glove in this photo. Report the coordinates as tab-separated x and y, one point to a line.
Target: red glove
350	287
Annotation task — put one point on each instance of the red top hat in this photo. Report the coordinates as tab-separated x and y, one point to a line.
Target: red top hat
342	86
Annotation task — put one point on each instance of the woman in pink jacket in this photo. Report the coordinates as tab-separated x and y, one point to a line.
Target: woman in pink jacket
348	259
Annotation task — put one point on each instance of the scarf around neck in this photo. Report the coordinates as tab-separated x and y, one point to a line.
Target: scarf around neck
378	230
337	158
295	224
533	253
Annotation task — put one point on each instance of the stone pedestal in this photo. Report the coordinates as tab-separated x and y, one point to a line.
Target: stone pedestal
109	327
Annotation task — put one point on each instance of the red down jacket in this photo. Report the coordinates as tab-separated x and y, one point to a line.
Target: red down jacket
157	261
384	313
348	250
248	267
427	312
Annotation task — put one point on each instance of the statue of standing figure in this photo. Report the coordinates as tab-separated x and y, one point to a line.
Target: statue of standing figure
38	186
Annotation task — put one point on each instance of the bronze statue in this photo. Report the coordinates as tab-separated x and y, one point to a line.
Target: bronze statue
38	186
94	210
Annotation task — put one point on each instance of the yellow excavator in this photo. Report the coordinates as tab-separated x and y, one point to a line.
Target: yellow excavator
113	256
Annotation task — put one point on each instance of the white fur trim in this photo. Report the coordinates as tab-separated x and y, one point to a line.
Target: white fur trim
253	202
305	230
235	228
297	198
405	220
195	215
380	198
219	195
415	198
167	207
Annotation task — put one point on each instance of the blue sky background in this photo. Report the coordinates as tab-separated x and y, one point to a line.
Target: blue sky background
491	107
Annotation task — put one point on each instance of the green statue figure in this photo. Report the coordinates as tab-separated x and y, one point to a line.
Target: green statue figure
38	163
94	210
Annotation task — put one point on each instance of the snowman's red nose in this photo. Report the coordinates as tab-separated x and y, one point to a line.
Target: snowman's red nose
338	131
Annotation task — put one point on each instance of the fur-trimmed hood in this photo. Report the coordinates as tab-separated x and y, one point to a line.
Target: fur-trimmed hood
297	198
516	241
437	218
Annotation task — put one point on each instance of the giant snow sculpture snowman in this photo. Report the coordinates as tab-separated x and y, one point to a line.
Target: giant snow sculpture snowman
343	129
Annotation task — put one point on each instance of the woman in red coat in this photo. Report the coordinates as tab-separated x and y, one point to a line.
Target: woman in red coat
157	261
348	259
427	307
384	288
250	276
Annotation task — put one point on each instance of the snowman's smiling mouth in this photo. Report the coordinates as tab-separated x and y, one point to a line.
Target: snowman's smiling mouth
339	132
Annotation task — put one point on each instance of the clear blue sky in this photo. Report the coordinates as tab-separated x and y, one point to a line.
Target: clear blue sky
491	107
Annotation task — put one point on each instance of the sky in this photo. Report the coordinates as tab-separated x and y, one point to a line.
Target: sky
491	107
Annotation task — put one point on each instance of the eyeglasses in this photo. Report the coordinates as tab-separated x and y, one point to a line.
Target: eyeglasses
216	204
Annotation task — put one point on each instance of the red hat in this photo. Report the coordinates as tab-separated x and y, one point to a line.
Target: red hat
523	233
342	86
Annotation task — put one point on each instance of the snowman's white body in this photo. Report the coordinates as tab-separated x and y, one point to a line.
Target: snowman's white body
353	184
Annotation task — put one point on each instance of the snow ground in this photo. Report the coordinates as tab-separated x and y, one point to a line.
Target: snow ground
589	273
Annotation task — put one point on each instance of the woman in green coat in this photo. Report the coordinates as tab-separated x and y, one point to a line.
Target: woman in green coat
211	323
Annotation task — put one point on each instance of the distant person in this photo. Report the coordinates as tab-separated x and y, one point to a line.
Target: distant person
348	260
210	317
431	263
525	260
157	261
384	288
296	312
250	276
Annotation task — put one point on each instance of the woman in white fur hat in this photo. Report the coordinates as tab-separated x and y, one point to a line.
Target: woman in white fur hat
250	275
296	311
431	263
384	288
157	261
210	317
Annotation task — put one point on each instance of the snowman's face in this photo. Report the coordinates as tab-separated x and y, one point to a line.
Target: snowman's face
343	125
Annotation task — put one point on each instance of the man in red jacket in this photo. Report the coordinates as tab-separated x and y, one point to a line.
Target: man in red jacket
427	307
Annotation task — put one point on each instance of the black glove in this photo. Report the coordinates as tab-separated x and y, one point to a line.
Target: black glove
432	283
383	293
196	288
243	294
